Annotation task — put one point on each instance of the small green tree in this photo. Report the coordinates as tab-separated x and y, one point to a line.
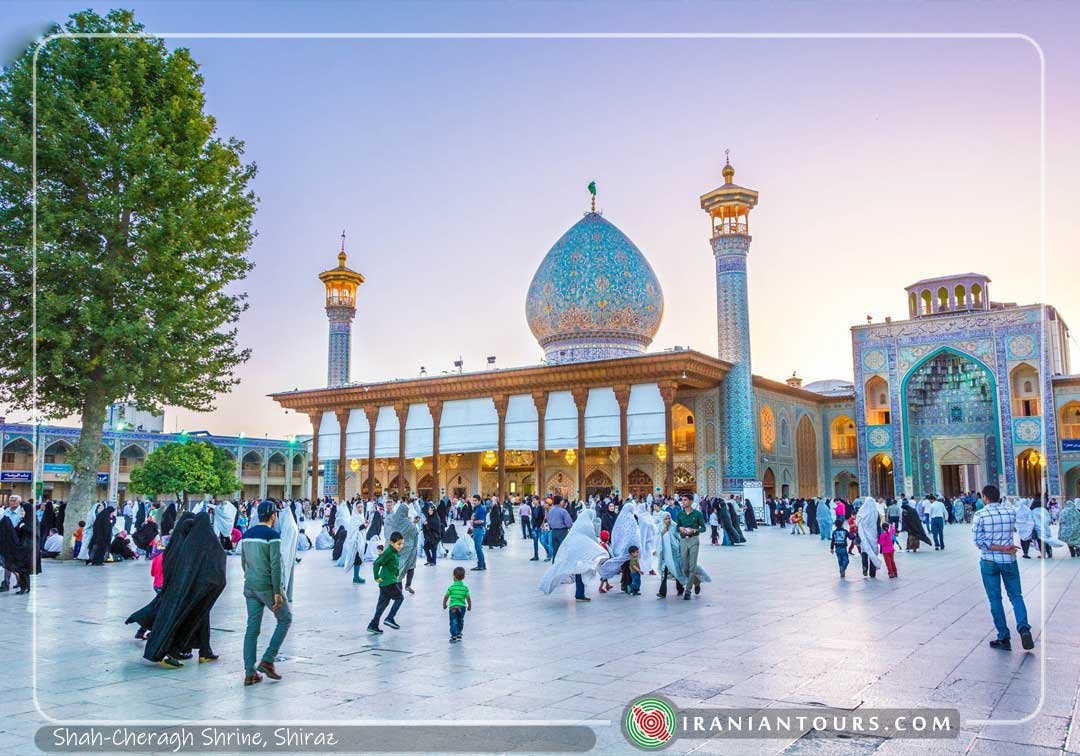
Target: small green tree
182	468
144	217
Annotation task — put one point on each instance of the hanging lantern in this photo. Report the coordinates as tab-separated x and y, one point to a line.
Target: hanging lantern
354	464
661	452
570	456
490	458
418	462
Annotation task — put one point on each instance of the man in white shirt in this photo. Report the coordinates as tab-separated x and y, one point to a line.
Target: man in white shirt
937	513
53	545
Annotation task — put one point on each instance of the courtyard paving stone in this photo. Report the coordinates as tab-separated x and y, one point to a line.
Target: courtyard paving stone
775	628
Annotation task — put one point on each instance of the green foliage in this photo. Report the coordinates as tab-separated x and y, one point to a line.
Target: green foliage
143	221
144	218
179	468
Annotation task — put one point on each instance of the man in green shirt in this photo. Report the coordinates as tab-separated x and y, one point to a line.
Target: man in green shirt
691	524
388	576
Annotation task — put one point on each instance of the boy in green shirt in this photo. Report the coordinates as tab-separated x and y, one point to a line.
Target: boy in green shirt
458	599
387	569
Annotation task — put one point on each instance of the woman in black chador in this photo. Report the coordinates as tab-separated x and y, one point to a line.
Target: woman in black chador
102	536
494	536
178	618
168	519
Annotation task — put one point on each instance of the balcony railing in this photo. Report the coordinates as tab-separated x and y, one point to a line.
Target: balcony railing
731	228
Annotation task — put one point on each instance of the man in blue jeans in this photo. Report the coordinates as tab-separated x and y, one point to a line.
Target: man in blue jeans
938	515
992	530
479	530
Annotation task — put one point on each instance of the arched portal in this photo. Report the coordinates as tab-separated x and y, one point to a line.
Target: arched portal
641	484
597	483
398	488
846	486
768	482
425	488
1030	467
807	457
949	401
685	481
881	477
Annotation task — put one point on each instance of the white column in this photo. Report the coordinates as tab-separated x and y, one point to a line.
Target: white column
262	475
114	473
288	477
240	471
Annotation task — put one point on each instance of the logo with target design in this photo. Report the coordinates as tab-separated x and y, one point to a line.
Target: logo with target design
649	723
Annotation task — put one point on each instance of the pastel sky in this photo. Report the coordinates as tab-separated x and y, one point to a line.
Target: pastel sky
455	164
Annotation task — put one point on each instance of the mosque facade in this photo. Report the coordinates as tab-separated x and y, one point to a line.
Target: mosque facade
964	392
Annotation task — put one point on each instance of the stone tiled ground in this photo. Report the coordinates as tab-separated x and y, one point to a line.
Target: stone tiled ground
775	628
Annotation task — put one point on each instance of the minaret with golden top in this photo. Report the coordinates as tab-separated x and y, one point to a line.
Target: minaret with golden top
729	208
341	287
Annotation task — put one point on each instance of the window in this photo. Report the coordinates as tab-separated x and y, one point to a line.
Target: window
1024	381
50	458
842	437
877	401
1070	421
9	458
768	428
784	436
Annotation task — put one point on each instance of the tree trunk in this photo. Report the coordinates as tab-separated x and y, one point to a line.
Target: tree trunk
87	458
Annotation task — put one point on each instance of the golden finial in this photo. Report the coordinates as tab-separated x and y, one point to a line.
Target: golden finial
341	255
729	172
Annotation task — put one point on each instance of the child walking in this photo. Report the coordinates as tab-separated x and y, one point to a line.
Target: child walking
157	573
388	575
458	600
838	544
631	574
605	543
886	541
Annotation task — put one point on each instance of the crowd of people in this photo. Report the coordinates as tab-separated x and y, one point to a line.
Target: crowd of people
602	539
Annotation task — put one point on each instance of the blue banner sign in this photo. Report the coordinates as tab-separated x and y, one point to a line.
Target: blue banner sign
1070	444
103	479
16	476
56	468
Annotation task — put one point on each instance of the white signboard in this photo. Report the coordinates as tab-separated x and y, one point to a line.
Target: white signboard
754	494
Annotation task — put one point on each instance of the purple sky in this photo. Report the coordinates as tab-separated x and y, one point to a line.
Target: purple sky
455	164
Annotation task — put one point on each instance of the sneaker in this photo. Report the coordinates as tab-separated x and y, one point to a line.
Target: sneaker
359	581
454	639
1026	640
252	679
185	656
697	589
686	595
170	663
475	569
205	658
409	589
267	668
1004	645
583	599
535	559
374	630
391	623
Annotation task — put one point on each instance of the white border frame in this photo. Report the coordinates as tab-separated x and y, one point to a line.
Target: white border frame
533	35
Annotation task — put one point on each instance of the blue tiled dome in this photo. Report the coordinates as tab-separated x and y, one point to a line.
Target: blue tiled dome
594	295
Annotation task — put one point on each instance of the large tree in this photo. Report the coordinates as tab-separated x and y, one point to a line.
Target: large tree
185	468
144	218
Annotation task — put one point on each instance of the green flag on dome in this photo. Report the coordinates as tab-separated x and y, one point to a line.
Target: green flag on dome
592	188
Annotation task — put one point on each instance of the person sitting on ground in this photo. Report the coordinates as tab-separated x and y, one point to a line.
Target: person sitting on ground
53	545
